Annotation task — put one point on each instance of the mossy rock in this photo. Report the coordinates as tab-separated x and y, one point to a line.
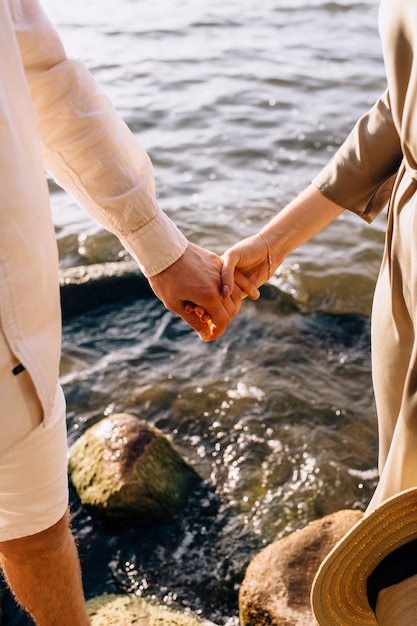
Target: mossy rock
124	610
126	469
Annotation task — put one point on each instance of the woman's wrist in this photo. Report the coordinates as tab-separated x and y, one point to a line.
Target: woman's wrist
268	254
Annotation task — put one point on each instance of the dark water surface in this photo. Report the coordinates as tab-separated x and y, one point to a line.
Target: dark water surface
239	103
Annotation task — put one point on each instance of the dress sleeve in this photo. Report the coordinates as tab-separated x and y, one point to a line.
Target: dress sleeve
89	149
360	175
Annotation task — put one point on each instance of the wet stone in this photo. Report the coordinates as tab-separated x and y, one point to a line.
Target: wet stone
125	469
277	584
123	610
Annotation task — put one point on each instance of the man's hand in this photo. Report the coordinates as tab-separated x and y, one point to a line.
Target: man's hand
196	278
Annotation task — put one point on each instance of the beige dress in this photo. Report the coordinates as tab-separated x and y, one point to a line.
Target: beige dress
379	158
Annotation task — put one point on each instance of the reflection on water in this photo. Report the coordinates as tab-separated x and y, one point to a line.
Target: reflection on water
277	416
239	103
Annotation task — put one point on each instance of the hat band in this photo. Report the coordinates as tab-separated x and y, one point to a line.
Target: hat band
393	569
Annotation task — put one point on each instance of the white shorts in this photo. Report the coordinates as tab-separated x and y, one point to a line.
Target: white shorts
33	459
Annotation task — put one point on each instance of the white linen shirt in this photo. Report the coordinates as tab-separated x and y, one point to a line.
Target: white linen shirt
54	117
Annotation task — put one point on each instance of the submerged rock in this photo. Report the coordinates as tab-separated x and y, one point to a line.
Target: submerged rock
91	286
126	469
123	610
277	583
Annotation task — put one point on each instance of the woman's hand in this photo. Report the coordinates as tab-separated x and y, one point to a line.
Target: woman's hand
257	257
248	260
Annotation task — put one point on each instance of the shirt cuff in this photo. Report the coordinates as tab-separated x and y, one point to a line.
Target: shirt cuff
157	245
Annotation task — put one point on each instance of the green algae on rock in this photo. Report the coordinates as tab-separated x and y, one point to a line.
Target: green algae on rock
124	610
126	469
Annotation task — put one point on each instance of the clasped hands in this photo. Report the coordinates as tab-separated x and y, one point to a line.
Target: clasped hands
206	290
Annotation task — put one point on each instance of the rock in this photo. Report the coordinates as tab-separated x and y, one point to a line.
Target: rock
126	469
123	610
88	287
277	583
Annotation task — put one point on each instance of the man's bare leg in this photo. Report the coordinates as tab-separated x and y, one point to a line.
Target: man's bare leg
44	574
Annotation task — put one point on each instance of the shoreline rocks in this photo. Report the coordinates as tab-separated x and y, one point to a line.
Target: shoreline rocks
275	590
88	287
277	583
124	610
125	469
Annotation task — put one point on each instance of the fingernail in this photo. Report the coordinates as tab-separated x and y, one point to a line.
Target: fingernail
225	291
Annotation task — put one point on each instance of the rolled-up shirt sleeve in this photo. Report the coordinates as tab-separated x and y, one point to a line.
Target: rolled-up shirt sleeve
89	149
360	175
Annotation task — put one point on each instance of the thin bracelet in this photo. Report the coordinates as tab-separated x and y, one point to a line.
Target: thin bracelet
269	255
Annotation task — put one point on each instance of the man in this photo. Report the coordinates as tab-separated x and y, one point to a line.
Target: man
53	115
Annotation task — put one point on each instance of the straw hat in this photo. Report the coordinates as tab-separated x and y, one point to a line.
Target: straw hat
339	593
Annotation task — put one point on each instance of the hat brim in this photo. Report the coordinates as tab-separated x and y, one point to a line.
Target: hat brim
339	595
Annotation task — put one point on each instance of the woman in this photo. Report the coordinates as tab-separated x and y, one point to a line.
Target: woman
377	161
